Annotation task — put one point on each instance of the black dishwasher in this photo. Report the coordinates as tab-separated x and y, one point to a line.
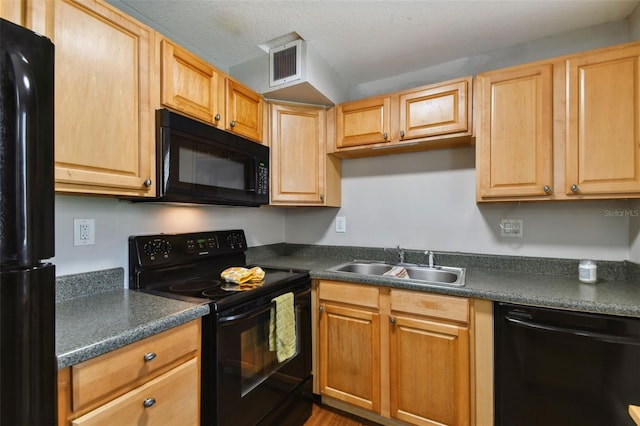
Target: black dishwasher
556	367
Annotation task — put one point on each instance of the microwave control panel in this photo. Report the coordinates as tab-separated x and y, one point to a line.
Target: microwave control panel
263	179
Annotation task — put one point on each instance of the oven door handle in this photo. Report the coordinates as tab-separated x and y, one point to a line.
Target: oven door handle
245	315
254	313
603	337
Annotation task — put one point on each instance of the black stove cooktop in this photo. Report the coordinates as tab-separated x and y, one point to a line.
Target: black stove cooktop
188	267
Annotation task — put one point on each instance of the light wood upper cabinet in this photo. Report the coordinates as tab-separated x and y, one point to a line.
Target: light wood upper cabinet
566	128
515	152
190	85
426	117
245	110
104	97
364	122
436	110
12	10
195	88
301	172
603	126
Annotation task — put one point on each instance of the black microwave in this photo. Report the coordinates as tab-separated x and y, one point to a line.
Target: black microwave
199	163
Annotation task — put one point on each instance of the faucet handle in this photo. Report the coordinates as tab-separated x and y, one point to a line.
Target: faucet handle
432	258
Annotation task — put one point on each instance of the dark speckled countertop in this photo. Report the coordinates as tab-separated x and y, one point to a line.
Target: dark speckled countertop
95	315
530	281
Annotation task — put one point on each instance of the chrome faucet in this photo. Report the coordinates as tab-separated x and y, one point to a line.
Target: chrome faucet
399	251
432	258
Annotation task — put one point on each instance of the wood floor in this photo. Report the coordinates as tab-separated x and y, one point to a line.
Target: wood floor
325	416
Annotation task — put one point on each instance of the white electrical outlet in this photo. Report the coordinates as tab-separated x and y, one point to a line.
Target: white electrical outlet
511	228
84	232
341	224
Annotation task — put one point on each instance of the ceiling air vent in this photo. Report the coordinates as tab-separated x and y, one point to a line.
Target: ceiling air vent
285	63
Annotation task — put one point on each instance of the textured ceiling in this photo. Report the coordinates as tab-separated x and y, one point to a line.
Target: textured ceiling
369	40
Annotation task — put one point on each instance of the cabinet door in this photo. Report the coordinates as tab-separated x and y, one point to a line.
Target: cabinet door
364	122
190	85
349	343
104	133
244	112
12	10
515	141
435	111
603	128
170	399
298	146
429	372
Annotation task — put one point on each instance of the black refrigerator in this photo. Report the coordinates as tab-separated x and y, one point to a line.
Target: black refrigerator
28	365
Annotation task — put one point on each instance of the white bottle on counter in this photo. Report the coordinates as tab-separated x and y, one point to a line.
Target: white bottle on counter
588	271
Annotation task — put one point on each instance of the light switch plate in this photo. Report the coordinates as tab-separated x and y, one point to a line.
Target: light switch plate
341	224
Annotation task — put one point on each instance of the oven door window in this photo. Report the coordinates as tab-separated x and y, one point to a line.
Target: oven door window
249	374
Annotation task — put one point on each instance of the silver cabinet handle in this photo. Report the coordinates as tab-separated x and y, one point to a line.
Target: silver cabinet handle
233	123
574	188
217	117
149	402
392	320
149	356
547	189
147	182
401	134
321	308
321	197
385	136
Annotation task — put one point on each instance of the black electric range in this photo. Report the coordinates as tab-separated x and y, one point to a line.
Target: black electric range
244	381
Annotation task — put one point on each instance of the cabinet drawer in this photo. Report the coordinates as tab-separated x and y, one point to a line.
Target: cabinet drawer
174	397
433	305
353	294
113	371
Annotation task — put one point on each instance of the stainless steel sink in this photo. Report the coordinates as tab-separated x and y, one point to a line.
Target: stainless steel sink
433	274
365	268
418	274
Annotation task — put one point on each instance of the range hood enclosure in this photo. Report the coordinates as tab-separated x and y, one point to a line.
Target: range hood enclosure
293	72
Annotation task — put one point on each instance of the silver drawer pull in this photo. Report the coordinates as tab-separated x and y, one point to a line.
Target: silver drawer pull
149	356
149	402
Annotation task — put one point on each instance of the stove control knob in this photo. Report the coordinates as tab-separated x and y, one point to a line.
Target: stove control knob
148	249
234	241
165	247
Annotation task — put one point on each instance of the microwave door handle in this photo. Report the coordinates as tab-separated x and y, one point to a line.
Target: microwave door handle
252	175
603	337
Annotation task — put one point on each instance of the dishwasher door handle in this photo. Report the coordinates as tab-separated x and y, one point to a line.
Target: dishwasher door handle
603	337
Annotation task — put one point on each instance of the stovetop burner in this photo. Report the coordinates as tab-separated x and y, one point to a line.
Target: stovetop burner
194	286
188	267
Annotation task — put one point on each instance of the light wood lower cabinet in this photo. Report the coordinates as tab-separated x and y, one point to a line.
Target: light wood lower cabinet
429	358
155	381
403	356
